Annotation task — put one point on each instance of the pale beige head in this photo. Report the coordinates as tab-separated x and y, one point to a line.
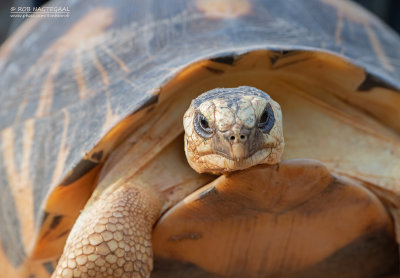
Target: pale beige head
229	129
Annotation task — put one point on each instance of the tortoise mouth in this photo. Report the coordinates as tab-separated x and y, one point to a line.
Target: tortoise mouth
241	153
221	162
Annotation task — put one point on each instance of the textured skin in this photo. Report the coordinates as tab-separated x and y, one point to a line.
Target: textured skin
232	114
112	237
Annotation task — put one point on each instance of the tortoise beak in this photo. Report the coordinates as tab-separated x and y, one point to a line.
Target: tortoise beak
239	151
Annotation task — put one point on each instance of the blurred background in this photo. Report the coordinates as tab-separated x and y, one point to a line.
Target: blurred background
387	10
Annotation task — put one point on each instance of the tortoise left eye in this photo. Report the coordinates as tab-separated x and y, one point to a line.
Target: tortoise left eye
202	127
267	119
204	123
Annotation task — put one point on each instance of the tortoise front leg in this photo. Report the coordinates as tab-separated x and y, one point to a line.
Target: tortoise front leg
112	237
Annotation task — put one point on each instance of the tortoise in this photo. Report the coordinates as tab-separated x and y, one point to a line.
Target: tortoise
98	98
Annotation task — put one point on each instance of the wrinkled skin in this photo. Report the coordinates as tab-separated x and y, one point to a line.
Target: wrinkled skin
233	129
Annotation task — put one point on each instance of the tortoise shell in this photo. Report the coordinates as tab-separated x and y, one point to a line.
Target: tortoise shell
74	88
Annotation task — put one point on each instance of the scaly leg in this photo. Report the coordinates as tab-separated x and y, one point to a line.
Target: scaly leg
112	237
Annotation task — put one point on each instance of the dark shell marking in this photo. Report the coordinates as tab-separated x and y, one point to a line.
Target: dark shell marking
229	59
372	81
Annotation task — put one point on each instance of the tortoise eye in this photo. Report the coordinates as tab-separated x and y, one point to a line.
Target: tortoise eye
201	126
267	119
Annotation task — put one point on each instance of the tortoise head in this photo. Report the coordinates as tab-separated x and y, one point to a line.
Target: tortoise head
229	129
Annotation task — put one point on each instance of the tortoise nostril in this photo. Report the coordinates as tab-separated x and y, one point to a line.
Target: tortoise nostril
243	137
232	138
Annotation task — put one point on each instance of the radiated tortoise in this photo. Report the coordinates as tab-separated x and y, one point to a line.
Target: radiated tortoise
92	141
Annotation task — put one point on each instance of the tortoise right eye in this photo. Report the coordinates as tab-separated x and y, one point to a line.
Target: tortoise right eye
201	126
